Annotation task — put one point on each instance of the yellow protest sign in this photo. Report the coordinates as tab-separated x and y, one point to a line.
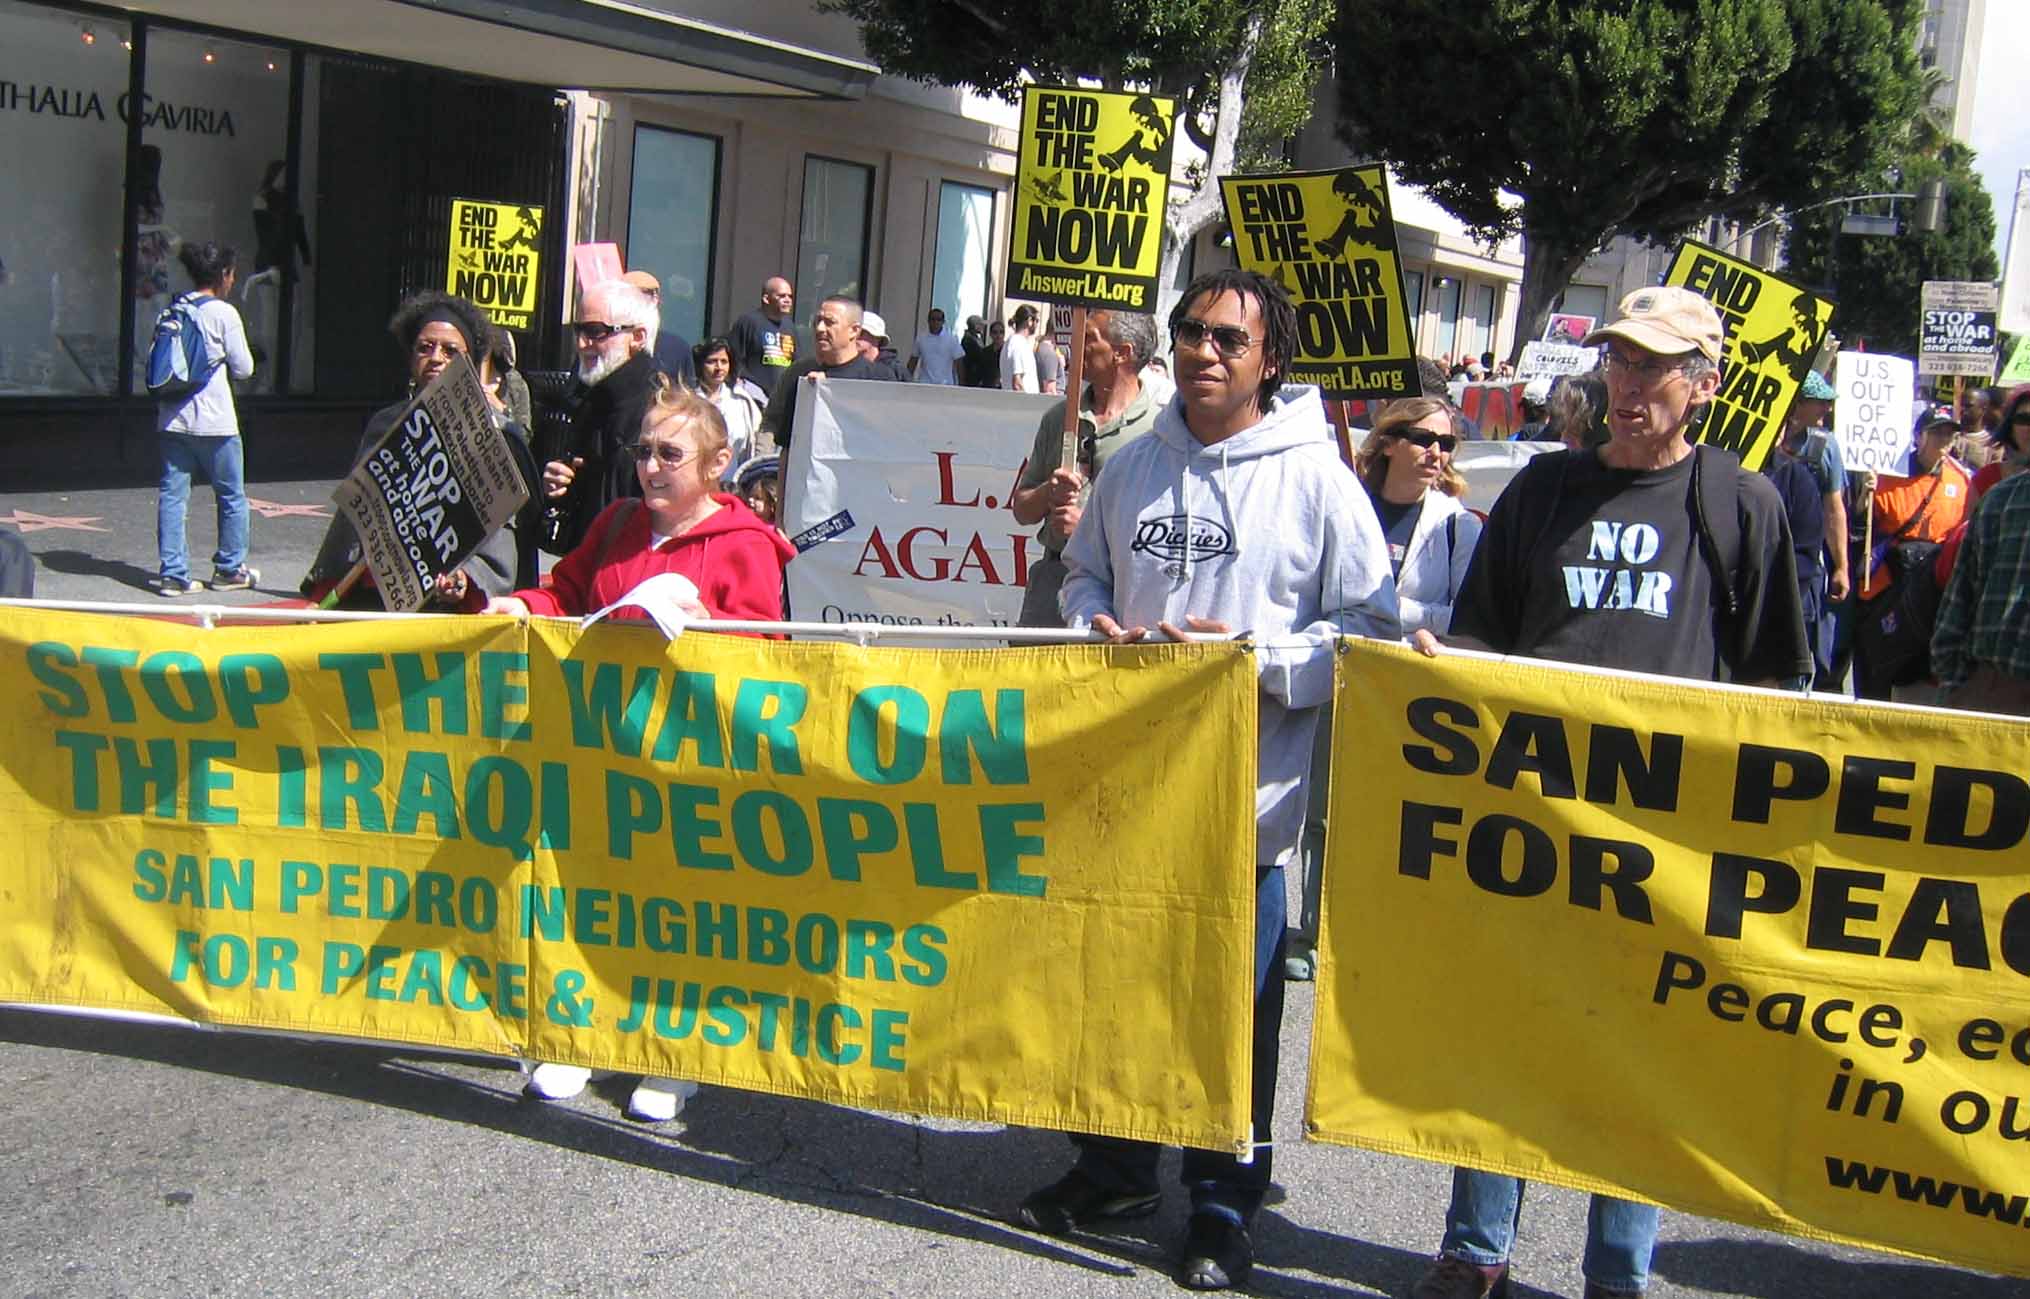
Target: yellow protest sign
1091	186
1774	329
1328	238
496	258
1759	957
926	881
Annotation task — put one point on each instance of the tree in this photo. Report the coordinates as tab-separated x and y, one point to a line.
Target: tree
1573	121
1243	71
1878	281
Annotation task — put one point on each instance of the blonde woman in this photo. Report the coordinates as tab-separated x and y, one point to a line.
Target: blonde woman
1406	466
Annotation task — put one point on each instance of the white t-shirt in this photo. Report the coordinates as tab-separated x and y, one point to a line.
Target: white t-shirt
1018	364
938	356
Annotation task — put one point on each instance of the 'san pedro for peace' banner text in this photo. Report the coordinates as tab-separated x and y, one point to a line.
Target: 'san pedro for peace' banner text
1328	238
1091	185
929	881
1774	329
1758	957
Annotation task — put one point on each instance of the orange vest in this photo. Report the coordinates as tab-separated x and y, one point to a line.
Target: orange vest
1897	500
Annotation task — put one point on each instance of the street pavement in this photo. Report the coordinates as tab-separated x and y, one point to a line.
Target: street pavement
144	1160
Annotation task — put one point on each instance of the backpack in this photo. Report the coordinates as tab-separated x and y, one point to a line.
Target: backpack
179	360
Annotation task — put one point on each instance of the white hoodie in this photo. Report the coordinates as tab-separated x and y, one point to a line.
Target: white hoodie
1267	531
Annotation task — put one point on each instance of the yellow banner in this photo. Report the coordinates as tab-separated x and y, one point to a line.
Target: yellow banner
932	881
496	258
1091	187
1328	238
1774	329
1758	957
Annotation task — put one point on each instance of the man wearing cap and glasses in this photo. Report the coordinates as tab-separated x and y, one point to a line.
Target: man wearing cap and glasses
1233	515
1643	554
615	323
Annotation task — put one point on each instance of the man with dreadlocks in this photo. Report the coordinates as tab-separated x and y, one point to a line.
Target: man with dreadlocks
1235	514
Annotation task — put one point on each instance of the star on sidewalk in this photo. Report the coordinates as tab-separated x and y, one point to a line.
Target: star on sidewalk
29	521
276	510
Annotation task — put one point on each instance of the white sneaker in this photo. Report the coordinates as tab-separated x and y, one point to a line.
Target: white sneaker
658	1100
556	1082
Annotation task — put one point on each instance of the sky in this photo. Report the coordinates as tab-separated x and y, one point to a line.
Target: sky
2001	131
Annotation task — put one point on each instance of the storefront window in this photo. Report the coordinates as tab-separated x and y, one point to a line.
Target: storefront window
965	252
1413	294
671	221
1483	320
214	141
1448	290
832	243
63	144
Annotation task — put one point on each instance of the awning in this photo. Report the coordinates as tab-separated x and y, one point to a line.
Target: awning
606	45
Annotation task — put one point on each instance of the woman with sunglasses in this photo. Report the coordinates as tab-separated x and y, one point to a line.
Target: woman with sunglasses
679	524
2011	437
1431	536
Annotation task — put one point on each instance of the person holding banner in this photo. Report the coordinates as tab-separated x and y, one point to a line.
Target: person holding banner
1648	555
1430	535
679	524
1114	410
836	328
1235	515
434	330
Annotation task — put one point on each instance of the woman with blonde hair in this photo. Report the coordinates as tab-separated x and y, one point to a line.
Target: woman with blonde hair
1406	466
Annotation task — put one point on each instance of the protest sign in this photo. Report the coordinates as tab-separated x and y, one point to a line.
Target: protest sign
1553	360
496	258
2014	313
1956	334
1329	239
915	880
1091	185
1568	329
1774	329
1871	413
442	481
897	498
2017	368
1756	956
595	264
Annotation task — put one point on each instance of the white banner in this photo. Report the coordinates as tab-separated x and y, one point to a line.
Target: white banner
2015	310
896	498
1487	467
1871	415
1550	360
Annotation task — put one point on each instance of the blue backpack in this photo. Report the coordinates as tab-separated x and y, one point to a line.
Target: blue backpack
179	362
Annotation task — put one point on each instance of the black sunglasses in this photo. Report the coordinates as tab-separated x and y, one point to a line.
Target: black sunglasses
1425	438
596	331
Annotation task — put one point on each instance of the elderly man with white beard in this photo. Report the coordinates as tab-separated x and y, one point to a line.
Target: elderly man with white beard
615	323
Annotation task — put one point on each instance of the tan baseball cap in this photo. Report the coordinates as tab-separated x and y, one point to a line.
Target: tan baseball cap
643	280
1667	320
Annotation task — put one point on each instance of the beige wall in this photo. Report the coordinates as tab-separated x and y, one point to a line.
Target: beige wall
913	137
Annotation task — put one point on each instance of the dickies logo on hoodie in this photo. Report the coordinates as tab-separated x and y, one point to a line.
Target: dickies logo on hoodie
1184	538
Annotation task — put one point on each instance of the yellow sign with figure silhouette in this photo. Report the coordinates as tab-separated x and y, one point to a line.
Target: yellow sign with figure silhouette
1774	330
496	258
1091	188
1328	238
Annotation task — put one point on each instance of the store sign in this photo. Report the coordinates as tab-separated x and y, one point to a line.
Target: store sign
496	258
82	104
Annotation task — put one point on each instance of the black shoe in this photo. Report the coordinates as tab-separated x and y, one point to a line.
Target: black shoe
1075	1201
1217	1254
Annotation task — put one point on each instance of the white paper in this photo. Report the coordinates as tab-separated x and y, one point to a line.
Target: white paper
661	597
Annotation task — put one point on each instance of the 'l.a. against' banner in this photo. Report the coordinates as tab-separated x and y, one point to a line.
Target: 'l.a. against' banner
1757	956
920	880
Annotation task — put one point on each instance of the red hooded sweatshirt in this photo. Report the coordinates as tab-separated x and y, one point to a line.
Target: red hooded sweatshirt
734	558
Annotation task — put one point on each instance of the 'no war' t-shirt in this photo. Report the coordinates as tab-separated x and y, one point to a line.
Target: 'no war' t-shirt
1583	563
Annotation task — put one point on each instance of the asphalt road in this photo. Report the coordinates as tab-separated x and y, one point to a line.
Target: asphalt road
147	1160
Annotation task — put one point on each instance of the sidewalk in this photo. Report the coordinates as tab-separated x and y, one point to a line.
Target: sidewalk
99	545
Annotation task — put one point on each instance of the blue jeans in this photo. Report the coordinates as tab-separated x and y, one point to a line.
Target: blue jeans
1480	1228
219	460
1219	1182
